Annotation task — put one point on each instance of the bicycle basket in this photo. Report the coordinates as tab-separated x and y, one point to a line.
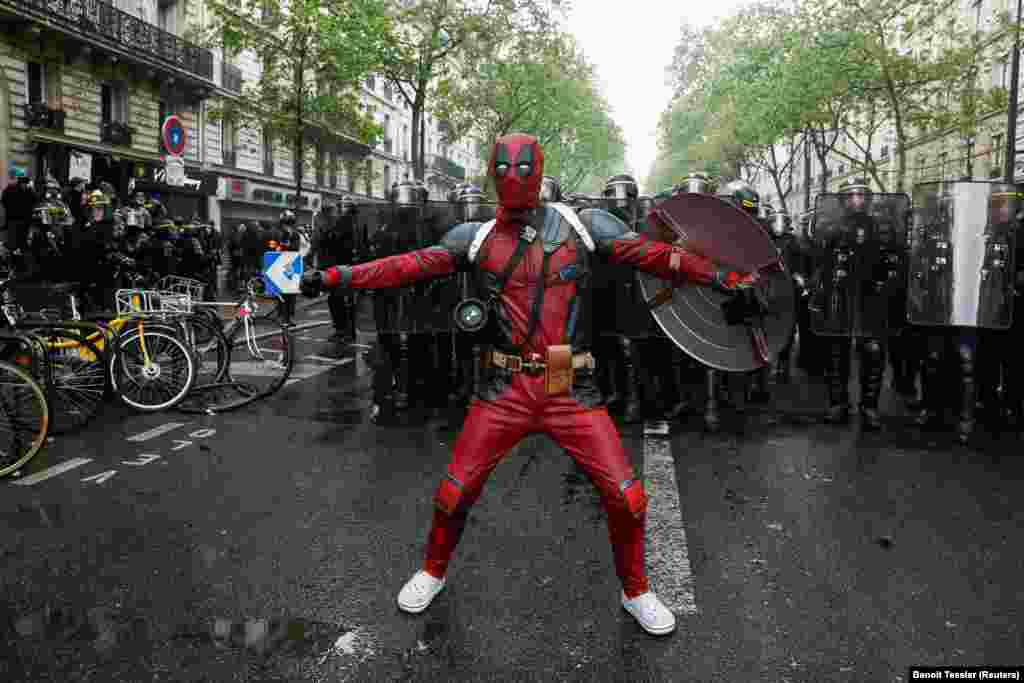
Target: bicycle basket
141	302
176	284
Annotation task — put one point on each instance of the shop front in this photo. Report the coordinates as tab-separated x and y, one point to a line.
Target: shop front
241	200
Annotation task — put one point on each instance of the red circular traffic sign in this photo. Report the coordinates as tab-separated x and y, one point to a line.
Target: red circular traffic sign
174	135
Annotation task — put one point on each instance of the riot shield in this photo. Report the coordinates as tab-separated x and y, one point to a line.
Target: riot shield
390	229
859	251
961	258
693	316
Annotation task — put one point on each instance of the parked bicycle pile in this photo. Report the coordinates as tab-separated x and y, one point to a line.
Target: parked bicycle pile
163	347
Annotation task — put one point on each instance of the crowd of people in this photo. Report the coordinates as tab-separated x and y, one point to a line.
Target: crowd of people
86	233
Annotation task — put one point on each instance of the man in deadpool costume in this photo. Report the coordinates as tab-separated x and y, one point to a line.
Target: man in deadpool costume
536	261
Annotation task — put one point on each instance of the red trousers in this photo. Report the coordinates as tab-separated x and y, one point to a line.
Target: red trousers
492	428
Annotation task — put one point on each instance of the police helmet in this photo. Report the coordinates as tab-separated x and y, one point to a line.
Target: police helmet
740	194
781	223
622	190
695	183
407	193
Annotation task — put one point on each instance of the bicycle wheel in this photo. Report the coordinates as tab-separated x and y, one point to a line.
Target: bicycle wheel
261	362
24	418
210	347
152	369
78	376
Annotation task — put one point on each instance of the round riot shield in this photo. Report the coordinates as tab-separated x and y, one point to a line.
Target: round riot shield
692	315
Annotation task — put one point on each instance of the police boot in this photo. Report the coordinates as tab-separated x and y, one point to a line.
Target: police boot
782	372
965	425
872	368
633	410
712	419
608	365
838	377
758	387
930	409
681	402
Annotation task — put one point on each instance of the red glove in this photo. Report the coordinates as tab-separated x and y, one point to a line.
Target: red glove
731	280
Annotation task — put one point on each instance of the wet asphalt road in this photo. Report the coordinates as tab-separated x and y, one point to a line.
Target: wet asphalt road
269	545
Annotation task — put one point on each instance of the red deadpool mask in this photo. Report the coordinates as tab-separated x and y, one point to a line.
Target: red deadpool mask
517	164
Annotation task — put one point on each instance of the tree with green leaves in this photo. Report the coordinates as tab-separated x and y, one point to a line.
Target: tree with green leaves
537	82
313	55
432	39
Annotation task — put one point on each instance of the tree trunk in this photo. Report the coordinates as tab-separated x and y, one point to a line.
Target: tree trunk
299	136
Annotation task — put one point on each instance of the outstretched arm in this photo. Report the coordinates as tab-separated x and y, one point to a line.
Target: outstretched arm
619	244
408	268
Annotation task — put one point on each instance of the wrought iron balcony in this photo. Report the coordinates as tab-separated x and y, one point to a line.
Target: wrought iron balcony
116	133
447	166
39	115
98	20
231	77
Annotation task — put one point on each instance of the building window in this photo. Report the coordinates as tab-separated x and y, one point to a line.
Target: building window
332	164
999	73
167	15
996	155
943	160
386	87
369	178
350	177
43	84
319	165
268	152
387	175
371	83
113	103
228	142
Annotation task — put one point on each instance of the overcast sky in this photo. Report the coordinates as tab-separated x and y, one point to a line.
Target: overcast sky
631	44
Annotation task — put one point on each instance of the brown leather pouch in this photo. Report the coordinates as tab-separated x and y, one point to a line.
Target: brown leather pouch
558	374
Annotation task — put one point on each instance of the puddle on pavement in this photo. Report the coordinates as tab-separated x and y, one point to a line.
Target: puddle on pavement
35	514
106	629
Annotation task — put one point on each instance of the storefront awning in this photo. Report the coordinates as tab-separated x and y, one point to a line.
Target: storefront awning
120	152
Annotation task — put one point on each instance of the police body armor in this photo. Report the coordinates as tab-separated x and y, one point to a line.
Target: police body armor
961	257
860	264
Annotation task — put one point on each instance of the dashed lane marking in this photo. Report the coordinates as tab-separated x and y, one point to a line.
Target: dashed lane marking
156	431
668	560
51	472
303	371
331	361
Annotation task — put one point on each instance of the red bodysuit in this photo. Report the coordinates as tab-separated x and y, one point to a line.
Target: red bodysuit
514	405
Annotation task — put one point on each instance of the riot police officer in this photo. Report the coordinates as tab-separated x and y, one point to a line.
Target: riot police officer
472	338
740	194
858	282
793	256
632	325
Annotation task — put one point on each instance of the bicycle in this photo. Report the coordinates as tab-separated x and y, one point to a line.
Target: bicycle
260	357
24	408
150	368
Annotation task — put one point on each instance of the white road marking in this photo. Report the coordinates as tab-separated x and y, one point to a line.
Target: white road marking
50	472
101	477
324	359
320	311
668	561
156	431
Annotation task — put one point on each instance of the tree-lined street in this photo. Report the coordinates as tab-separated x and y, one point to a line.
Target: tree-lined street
269	544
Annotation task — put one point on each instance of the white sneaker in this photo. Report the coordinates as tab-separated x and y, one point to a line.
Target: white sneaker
418	592
650	613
